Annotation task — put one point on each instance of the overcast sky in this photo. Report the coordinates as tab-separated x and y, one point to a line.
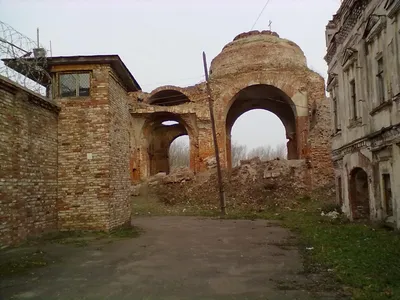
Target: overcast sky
161	41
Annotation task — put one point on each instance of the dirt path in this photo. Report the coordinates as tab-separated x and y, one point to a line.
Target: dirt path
177	258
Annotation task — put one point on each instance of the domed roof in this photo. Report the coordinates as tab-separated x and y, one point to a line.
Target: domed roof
257	50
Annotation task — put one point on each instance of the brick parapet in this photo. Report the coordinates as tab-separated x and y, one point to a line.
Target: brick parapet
28	169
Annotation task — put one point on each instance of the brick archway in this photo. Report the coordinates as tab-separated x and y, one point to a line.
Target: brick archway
268	97
158	138
167	96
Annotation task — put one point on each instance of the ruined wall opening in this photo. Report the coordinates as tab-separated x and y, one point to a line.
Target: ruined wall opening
179	153
160	131
359	194
269	98
249	137
168	98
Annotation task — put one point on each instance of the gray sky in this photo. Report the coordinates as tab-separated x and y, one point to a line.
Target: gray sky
161	41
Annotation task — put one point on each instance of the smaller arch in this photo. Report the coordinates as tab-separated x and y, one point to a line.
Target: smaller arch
359	194
168	96
179	152
158	138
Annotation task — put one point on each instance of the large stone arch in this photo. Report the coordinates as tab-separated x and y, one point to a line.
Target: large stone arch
267	97
291	91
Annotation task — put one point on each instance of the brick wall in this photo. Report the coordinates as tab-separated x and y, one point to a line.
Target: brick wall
120	181
84	157
320	142
28	168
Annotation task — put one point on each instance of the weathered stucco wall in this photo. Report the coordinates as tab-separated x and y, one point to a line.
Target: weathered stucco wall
364	81
28	164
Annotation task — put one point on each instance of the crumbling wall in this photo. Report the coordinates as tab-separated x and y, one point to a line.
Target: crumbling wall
320	141
257	70
28	164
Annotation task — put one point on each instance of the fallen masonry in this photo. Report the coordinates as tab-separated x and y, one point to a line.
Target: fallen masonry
253	185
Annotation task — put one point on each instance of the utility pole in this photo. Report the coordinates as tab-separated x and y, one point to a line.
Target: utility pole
214	134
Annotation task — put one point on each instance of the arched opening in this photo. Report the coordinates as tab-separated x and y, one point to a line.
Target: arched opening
160	131
168	98
258	144
179	153
264	97
359	194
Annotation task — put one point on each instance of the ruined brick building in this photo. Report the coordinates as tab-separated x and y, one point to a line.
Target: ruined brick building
363	55
69	160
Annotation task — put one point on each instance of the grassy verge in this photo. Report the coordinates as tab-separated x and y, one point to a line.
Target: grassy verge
20	263
365	259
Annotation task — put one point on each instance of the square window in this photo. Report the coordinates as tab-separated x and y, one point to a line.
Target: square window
75	85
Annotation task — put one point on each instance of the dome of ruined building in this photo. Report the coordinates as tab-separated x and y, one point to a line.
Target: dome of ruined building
255	50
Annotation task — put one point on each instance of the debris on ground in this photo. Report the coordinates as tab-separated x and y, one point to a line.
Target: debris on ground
179	175
332	214
254	184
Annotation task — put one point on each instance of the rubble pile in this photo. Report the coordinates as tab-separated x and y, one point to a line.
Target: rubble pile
255	184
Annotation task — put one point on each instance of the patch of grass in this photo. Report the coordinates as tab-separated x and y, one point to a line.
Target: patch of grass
150	206
23	263
362	257
126	232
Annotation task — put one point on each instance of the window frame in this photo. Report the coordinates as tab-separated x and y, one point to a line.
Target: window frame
336	121
380	80
353	98
77	83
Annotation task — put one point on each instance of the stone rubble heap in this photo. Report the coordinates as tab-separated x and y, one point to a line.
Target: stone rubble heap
254	184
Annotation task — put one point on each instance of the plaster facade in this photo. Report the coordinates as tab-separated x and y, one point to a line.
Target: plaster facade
363	56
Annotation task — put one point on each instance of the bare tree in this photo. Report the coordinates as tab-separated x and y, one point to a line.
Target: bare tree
239	152
263	152
179	154
281	151
268	153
